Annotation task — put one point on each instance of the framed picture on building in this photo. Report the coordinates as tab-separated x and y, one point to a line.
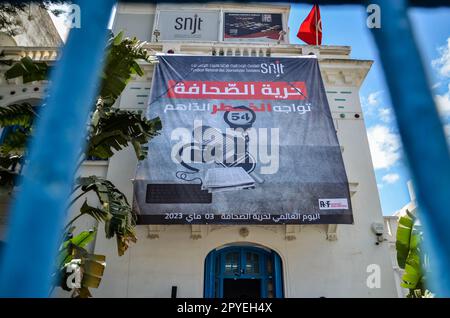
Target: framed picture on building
258	27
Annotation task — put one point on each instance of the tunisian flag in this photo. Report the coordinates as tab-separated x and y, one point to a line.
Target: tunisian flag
311	29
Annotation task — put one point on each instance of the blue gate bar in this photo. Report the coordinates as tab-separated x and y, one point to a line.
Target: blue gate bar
422	134
39	210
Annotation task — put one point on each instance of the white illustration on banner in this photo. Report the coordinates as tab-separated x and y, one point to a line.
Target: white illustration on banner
206	144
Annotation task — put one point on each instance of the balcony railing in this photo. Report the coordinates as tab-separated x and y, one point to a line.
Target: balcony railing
198	48
36	53
249	49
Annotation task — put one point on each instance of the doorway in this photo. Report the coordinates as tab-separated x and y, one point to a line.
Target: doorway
243	272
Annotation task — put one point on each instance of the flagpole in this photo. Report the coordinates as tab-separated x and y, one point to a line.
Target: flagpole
317	35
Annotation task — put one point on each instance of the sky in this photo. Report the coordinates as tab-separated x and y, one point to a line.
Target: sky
346	25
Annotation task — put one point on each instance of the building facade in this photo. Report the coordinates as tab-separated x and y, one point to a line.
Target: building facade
322	260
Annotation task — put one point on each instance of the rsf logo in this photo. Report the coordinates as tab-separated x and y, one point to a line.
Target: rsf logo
276	68
333	204
324	204
189	24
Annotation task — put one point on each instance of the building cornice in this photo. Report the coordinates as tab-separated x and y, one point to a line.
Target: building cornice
342	72
323	52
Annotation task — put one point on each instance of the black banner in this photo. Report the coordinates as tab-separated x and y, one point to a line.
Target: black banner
255	26
245	140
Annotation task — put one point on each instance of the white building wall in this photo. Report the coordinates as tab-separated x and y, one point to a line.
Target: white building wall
312	266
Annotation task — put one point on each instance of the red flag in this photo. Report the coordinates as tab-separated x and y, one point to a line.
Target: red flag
311	29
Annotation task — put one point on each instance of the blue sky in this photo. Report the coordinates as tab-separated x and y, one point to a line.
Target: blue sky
346	25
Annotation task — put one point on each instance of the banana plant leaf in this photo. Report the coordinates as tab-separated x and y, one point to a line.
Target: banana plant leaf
9	172
103	144
410	255
121	220
29	70
17	115
92	266
411	277
120	65
14	142
115	129
68	247
96	213
82	292
83	239
17	121
404	230
90	280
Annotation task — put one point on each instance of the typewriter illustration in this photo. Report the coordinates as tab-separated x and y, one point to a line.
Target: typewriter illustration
215	165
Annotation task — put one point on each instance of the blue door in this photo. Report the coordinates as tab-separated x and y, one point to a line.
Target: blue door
243	272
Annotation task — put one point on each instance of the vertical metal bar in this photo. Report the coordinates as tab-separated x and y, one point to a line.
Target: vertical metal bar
39	210
422	134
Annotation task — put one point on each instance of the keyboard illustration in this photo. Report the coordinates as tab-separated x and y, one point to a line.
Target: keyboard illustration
164	193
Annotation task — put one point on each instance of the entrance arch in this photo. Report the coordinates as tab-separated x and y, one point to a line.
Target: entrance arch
243	271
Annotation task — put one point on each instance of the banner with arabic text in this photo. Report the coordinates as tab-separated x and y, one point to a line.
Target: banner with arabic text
245	140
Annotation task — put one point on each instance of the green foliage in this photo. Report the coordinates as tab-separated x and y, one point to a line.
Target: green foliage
121	64
115	211
410	255
8	171
29	70
115	129
110	130
17	121
67	250
17	115
404	230
100	215
14	142
92	266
